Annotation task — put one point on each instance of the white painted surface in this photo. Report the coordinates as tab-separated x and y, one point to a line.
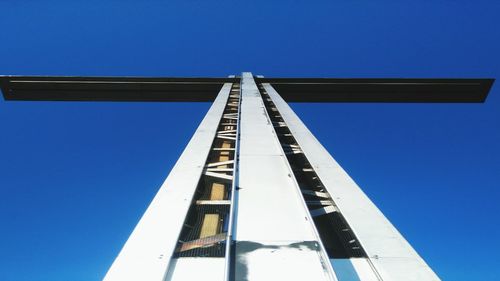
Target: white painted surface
269	208
282	263
270	216
389	252
187	269
363	269
146	254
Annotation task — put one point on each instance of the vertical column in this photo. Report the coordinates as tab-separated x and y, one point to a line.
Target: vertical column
204	243
148	251
274	238
367	246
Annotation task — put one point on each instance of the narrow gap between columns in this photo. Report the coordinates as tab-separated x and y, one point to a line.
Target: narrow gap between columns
337	237
205	230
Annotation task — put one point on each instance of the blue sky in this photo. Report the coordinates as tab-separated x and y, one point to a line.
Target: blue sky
76	177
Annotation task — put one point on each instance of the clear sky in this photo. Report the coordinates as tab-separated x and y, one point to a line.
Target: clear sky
76	177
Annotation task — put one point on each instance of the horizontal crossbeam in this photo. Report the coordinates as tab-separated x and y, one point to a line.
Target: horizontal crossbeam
380	90
112	88
205	89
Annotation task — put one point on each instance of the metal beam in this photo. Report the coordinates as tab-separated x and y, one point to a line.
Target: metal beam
111	88
54	88
275	238
380	90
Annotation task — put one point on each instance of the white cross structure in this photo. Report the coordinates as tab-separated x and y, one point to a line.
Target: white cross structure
254	195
